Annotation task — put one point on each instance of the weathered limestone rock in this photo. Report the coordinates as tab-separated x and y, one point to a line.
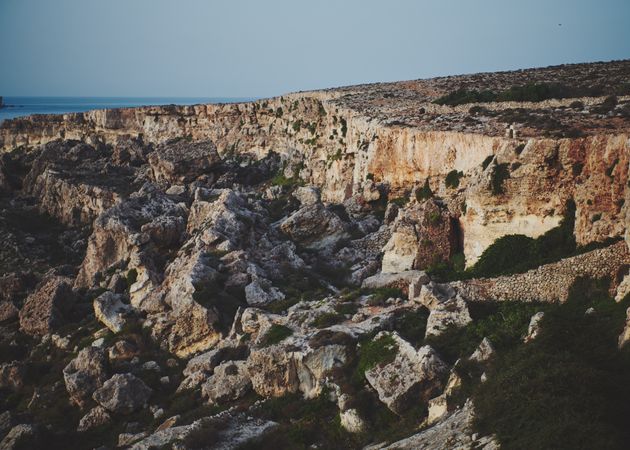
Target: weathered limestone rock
422	234
111	311
96	417
454	432
273	372
260	292
122	351
484	352
534	328
431	294
123	393
351	421
47	308
412	376
230	381
19	437
181	161
451	313
8	311
307	195
195	330
84	374
315	227
400	280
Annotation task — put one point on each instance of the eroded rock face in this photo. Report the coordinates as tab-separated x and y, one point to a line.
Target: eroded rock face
123	394
411	377
273	372
48	307
422	235
181	161
84	374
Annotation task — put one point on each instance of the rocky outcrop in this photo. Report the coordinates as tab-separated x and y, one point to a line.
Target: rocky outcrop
230	381
182	161
111	311
412	376
315	227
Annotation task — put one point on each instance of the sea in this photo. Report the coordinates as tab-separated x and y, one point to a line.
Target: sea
25	106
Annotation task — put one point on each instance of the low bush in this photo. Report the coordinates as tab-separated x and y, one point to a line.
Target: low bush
275	334
452	178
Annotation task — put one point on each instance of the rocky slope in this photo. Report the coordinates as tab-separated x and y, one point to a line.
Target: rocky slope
242	275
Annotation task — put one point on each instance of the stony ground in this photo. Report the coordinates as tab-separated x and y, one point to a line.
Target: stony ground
164	295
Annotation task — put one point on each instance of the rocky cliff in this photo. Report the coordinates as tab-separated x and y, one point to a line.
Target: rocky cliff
244	274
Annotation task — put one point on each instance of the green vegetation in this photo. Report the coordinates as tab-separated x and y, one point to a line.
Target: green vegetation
275	334
132	276
452	178
297	125
279	112
376	352
568	388
327	319
531	92
486	162
425	192
344	126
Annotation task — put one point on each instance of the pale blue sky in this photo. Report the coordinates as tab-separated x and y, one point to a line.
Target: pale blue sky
242	48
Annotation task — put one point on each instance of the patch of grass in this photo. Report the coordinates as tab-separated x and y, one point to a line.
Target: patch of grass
325	320
412	325
132	276
425	192
377	352
568	388
275	334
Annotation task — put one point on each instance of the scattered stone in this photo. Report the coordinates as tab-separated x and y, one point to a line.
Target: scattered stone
484	352
20	436
451	313
122	351
351	421
96	417
123	393
111	311
400	280
84	374
307	195
12	375
230	381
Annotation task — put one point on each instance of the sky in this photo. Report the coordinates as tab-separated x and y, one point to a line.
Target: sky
260	48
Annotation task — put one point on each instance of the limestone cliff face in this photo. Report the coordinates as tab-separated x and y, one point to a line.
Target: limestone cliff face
338	148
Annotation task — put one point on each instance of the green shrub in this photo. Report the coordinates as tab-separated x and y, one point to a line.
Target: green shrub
452	178
279	112
425	192
275	334
380	351
486	162
568	388
327	319
132	276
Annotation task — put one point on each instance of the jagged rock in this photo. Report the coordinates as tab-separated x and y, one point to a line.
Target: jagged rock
307	195
84	374
624	287
273	372
231	430
123	393
624	338
422	234
7	421
96	417
127	439
181	161
20	436
451	313
260	292
195	330
431	294
315	227
13	286
12	375
230	381
8	311
454	432
534	328
437	408
400	280
412	376
48	307
111	311
133	234
483	352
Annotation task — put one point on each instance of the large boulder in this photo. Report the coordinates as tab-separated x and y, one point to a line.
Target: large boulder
123	393
230	381
422	235
182	161
48	307
412	376
84	374
315	227
273	371
401	280
96	417
451	313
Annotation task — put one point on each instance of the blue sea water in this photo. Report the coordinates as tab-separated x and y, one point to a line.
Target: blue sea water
25	106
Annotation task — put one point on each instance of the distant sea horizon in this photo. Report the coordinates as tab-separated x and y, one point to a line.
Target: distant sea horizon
26	106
